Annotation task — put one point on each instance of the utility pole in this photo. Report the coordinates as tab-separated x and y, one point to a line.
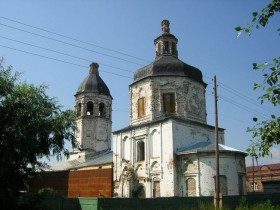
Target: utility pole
217	147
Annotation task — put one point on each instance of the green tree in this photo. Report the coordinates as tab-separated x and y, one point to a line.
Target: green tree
32	126
265	133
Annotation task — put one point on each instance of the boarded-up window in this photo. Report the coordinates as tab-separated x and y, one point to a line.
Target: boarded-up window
223	184
156	190
191	187
168	103
140	151
240	184
89	108
141	107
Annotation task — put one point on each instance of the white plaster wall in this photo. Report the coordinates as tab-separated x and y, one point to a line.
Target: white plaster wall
188	133
189	98
160	167
202	167
167	182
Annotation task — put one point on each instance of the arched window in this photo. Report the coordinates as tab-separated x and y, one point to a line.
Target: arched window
102	111
140	151
79	109
90	108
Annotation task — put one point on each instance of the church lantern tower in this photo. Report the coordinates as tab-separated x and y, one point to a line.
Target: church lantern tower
167	86
93	116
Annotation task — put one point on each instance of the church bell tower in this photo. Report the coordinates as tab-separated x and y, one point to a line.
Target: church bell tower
93	116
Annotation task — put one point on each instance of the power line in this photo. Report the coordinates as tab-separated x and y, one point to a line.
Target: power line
74	39
67	43
225	87
242	96
246	98
229	117
72	56
55	59
243	107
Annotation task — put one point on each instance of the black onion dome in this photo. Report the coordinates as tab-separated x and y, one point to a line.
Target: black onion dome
93	83
168	65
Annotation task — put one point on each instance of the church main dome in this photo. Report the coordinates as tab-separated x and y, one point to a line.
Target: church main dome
167	62
168	65
93	83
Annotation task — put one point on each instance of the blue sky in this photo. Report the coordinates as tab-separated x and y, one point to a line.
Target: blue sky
119	35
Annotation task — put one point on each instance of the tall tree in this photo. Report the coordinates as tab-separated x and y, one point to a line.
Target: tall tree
265	133
32	126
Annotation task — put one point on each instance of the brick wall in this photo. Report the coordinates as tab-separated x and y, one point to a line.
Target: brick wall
260	174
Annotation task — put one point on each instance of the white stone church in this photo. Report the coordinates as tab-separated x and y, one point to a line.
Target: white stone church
168	149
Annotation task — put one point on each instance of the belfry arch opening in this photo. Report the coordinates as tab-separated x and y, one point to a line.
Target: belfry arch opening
102	110
90	108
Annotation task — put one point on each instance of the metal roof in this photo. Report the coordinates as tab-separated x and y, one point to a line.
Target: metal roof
100	159
93	83
168	65
205	147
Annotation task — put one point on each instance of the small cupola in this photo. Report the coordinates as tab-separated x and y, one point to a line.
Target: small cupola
93	82
166	43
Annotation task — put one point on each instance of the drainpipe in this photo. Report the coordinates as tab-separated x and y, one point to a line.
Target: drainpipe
161	150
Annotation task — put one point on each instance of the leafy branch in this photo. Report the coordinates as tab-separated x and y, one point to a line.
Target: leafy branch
260	18
266	133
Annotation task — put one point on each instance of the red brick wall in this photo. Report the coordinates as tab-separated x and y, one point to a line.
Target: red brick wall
90	183
83	183
261	173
